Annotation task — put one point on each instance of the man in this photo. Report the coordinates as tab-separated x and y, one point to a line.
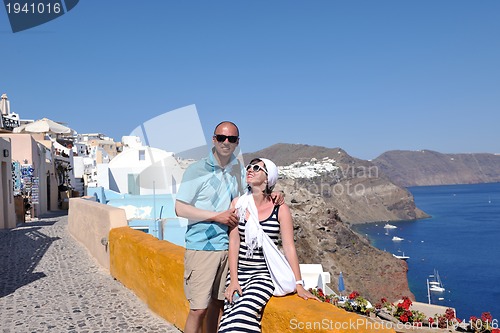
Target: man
207	189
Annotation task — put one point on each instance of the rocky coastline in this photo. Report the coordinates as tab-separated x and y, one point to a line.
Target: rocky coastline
427	167
328	191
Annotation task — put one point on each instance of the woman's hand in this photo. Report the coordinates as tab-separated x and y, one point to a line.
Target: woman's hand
231	289
305	294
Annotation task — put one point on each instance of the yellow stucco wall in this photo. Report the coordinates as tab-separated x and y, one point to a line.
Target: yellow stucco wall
153	270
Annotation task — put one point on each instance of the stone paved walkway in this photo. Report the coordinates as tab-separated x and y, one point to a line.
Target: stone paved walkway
49	283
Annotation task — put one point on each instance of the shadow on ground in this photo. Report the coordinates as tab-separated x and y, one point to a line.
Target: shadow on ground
21	249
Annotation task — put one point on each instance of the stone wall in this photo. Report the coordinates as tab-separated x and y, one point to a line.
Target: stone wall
89	223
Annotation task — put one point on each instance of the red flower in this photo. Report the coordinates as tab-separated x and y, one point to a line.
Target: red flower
406	302
353	295
431	320
383	300
403	318
486	316
449	314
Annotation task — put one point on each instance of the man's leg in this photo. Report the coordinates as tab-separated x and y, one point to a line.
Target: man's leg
200	270
214	313
216	305
194	321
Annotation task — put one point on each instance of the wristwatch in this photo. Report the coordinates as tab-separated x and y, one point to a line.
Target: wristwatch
301	282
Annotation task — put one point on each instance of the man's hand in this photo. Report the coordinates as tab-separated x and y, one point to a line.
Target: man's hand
278	198
228	217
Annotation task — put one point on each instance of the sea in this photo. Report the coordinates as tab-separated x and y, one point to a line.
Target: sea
460	241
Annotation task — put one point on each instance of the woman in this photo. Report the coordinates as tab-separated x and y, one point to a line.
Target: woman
250	286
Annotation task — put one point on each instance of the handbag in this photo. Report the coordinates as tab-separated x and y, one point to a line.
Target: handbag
281	272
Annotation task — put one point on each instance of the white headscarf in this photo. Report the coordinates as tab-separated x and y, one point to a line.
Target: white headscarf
272	172
253	230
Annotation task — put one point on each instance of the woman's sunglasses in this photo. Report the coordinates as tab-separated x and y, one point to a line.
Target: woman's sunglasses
222	138
255	168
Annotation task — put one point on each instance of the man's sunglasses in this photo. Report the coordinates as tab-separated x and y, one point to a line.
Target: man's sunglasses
222	138
255	168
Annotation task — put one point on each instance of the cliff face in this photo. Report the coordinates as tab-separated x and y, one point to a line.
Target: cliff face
322	237
327	190
358	189
426	167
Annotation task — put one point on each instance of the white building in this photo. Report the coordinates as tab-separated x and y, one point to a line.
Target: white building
93	152
145	170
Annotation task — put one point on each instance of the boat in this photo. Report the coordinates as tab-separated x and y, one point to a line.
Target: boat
389	226
437	289
403	257
397	239
436	284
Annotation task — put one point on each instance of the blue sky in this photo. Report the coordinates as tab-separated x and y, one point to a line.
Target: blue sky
366	76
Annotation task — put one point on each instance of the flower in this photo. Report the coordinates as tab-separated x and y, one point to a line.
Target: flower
357	303
486	317
445	320
353	295
332	299
403	313
384	304
406	303
449	314
483	324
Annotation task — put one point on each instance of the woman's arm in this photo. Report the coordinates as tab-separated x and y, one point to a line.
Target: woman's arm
234	248
286	230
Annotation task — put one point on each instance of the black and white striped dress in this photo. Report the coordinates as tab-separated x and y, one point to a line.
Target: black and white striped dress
245	314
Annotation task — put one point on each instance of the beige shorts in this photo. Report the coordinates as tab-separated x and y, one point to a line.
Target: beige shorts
205	274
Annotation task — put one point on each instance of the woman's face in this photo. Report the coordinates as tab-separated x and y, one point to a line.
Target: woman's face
256	178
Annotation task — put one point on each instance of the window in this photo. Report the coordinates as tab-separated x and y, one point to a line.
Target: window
142	155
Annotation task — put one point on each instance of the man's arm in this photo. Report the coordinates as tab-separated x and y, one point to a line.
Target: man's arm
192	213
278	198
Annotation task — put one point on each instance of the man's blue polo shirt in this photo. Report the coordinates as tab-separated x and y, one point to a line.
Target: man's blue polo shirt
207	186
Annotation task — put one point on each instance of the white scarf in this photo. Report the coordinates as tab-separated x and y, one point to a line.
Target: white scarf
253	230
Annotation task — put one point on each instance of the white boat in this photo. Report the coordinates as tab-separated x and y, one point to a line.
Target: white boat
397	239
436	284
437	289
389	226
403	257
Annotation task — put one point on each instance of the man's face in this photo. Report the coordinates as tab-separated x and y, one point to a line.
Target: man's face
225	139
